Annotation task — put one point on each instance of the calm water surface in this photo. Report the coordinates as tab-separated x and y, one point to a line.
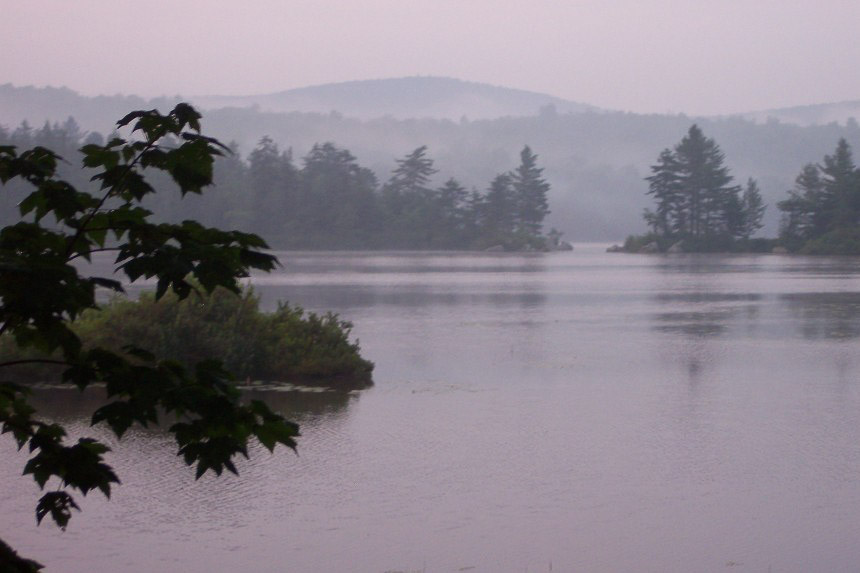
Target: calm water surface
567	412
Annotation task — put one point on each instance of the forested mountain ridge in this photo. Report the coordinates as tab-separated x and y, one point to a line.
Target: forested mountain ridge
595	162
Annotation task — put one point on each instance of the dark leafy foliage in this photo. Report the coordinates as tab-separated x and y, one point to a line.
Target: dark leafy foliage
43	293
14	563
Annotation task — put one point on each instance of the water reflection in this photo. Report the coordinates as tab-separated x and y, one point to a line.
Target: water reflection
707	314
825	315
705	297
306	404
699	324
698	306
70	406
348	281
340	263
339	298
590	414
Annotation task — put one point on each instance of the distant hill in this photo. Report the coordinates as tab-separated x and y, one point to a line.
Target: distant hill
818	114
401	98
99	113
398	98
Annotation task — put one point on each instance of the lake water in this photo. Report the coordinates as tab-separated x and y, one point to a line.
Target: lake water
574	411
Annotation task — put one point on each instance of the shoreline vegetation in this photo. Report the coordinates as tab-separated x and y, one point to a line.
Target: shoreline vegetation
699	210
650	243
327	200
284	347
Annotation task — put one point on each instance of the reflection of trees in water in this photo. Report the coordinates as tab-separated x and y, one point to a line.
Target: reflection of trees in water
302	405
825	315
72	407
708	265
411	280
706	297
700	324
696	318
709	314
345	298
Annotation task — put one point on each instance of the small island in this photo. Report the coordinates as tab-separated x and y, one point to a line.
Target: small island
287	346
699	209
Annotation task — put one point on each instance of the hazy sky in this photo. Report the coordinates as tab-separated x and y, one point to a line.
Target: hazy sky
695	56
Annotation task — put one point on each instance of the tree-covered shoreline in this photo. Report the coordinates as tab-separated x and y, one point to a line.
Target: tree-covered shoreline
698	209
328	201
822	212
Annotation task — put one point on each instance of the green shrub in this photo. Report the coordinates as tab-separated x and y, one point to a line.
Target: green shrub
705	244
711	244
844	241
635	243
758	245
287	345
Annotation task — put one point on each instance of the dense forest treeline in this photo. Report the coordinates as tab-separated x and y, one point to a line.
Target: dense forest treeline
698	207
329	201
822	212
594	161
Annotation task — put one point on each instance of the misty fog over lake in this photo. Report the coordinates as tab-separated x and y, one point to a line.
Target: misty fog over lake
575	411
507	205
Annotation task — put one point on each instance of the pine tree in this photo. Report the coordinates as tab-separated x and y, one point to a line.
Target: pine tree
693	191
752	210
412	173
840	187
804	215
337	201
530	194
451	209
705	183
822	212
407	201
273	187
665	186
498	210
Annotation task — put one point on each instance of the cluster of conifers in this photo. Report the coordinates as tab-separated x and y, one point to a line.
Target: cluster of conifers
699	208
331	202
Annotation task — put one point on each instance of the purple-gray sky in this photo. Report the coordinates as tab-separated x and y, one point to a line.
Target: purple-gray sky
692	56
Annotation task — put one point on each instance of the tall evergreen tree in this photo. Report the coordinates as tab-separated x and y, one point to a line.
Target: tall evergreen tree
694	193
407	201
804	212
530	194
822	212
272	186
412	173
664	185
840	187
705	182
337	205
498	210
451	210
752	210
